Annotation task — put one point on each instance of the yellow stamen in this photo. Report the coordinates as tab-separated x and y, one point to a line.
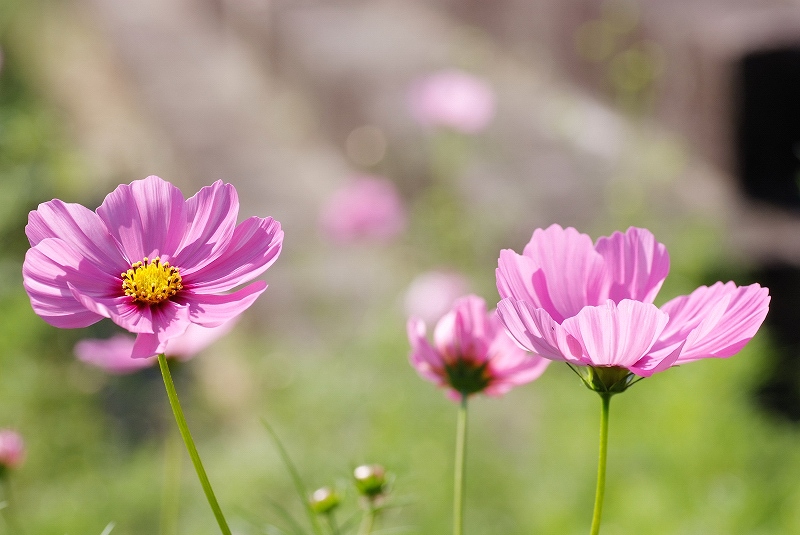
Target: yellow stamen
151	282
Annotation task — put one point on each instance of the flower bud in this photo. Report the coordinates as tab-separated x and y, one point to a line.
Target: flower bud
12	449
324	500
370	480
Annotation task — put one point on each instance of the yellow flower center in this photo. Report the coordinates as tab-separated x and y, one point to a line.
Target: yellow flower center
151	282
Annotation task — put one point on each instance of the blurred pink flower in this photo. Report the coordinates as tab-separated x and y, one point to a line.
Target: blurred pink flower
369	207
12	449
431	294
114	354
591	305
471	352
452	99
150	260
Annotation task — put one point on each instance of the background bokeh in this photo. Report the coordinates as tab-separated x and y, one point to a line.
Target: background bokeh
608	114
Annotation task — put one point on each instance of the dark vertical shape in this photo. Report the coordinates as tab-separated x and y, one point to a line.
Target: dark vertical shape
768	125
780	390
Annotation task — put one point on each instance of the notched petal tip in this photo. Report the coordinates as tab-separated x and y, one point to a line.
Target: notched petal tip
212	310
636	264
617	334
255	245
535	330
715	321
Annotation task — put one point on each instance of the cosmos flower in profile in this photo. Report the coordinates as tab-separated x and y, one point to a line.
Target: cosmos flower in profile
148	259
591	305
471	352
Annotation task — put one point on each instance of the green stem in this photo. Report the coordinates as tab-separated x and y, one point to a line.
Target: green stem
187	439
332	523
368	521
460	461
601	464
296	479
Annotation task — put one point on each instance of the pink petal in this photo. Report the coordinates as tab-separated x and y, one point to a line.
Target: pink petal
687	311
715	321
167	319
536	331
119	308
504	351
212	310
147	345
519	278
196	339
462	333
254	246
112	355
48	269
211	215
510	366
616	334
80	228
453	395
146	217
508	362
573	271
650	363
12	448
423	357
636	263
115	354
170	321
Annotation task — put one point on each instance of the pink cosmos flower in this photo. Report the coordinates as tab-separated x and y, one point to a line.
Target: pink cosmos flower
114	354
12	449
591	305
152	261
431	294
471	352
369	207
452	99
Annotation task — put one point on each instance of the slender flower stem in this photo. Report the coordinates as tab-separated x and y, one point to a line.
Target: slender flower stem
187	439
368	520
601	464
299	486
332	523
460	461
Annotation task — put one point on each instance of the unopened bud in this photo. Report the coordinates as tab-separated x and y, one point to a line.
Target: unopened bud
324	500
12	449
370	479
